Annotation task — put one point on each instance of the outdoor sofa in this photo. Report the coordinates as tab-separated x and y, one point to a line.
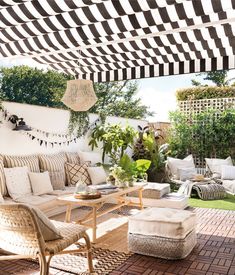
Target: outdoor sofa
64	169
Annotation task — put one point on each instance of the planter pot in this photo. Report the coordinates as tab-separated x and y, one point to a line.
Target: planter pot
156	176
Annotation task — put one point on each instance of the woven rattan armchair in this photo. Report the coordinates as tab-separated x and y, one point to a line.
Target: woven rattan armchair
20	235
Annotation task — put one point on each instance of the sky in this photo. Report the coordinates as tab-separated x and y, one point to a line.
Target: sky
159	93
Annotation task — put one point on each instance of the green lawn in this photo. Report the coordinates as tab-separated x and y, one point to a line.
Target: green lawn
228	203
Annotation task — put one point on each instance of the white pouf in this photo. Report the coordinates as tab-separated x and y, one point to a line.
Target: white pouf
162	232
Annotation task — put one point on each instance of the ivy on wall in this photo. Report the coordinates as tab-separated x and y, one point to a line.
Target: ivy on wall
205	92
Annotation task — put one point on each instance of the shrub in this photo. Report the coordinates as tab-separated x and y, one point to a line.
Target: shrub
205	92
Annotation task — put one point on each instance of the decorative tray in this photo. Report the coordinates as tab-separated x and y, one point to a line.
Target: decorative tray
87	196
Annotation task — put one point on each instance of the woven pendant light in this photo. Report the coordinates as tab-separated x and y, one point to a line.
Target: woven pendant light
79	95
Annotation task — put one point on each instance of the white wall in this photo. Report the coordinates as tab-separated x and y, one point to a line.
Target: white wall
46	119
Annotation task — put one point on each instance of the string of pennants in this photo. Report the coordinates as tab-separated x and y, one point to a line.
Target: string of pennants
33	134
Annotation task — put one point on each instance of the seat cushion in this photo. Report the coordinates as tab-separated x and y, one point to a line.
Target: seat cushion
153	190
70	234
38	201
163	222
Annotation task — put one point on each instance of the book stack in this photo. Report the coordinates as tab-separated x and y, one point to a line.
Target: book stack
105	188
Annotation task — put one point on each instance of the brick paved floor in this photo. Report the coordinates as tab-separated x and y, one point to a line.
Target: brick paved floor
214	253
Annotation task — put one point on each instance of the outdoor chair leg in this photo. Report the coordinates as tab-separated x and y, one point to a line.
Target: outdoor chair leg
44	263
89	254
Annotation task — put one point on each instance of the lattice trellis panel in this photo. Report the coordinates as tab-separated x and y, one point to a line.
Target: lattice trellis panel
191	107
196	106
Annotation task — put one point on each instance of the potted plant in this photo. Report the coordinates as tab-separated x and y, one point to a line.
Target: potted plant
147	147
127	171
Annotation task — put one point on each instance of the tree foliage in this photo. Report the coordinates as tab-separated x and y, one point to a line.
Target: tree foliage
118	99
24	84
219	78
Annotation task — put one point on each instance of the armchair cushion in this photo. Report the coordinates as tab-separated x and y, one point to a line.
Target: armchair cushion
186	173
175	164
227	172
48	229
215	165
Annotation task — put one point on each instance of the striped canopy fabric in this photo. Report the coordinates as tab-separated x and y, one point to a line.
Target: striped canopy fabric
106	40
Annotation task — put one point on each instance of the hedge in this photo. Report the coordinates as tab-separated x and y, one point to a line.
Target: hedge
206	92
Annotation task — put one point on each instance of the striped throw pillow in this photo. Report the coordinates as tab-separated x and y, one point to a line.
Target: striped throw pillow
72	157
31	161
53	163
3	188
76	172
57	180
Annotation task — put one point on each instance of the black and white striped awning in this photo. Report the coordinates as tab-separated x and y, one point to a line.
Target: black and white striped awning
120	39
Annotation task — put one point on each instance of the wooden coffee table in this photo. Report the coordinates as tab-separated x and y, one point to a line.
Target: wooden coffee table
120	197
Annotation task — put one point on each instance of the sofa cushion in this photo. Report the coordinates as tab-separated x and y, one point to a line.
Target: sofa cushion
163	222
57	180
91	157
53	163
3	188
31	161
40	183
175	164
17	181
76	172
153	190
72	157
97	175
215	165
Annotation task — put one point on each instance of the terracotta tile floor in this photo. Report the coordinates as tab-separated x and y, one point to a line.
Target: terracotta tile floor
213	255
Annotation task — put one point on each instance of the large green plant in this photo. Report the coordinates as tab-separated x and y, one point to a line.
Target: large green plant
114	138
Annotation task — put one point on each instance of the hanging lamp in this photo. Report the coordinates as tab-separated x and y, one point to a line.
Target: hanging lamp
79	94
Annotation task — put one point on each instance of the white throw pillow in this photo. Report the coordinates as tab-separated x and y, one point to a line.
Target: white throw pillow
215	164
91	157
186	173
175	164
227	172
97	175
17	181
41	183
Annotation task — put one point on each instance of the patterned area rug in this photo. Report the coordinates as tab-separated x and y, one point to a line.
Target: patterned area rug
104	261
